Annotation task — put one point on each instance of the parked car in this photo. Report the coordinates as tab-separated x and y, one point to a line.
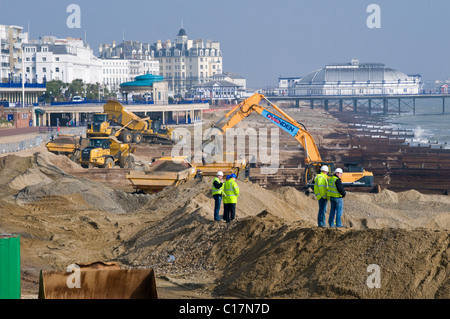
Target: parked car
77	99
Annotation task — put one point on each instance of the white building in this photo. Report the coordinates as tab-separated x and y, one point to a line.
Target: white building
185	63
286	85
61	59
11	40
358	79
128	50
219	92
12	90
116	71
70	59
231	77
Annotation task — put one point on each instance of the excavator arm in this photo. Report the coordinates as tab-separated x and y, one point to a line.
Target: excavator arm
283	121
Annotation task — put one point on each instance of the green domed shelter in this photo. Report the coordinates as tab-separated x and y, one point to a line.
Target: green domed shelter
147	85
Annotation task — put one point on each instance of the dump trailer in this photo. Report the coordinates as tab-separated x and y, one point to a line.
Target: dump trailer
119	122
106	152
163	172
99	280
69	145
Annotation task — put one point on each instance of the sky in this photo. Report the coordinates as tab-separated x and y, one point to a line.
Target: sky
262	40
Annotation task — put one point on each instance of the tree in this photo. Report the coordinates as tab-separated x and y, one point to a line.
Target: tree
76	88
55	90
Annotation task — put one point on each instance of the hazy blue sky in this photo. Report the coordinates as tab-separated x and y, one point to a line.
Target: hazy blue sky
261	39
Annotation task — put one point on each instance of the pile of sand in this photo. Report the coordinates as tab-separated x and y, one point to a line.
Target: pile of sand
167	166
273	249
34	178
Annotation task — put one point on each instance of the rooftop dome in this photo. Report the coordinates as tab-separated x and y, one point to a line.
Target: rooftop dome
143	80
354	72
181	33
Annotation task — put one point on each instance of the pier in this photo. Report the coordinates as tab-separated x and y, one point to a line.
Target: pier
365	103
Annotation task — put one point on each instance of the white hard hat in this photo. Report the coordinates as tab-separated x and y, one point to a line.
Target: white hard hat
219	174
324	168
338	170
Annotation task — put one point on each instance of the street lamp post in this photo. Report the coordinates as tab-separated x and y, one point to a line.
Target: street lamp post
23	78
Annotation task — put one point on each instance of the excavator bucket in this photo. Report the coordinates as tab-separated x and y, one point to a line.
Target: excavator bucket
98	281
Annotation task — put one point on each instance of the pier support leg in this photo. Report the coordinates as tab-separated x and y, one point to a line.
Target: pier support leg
311	104
399	106
370	106
385	106
414	106
325	105
297	103
341	102
443	105
355	105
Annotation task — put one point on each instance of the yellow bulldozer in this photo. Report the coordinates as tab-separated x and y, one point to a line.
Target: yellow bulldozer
119	122
106	152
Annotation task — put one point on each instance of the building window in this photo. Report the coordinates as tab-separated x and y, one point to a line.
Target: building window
44	70
56	59
57	70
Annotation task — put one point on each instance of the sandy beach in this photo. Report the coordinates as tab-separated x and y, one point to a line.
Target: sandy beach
272	250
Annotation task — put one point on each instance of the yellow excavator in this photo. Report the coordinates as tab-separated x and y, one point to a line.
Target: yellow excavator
313	161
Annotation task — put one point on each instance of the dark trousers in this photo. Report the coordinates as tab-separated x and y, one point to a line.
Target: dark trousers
217	202
229	212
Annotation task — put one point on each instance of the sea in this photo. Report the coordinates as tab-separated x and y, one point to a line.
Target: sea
429	124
